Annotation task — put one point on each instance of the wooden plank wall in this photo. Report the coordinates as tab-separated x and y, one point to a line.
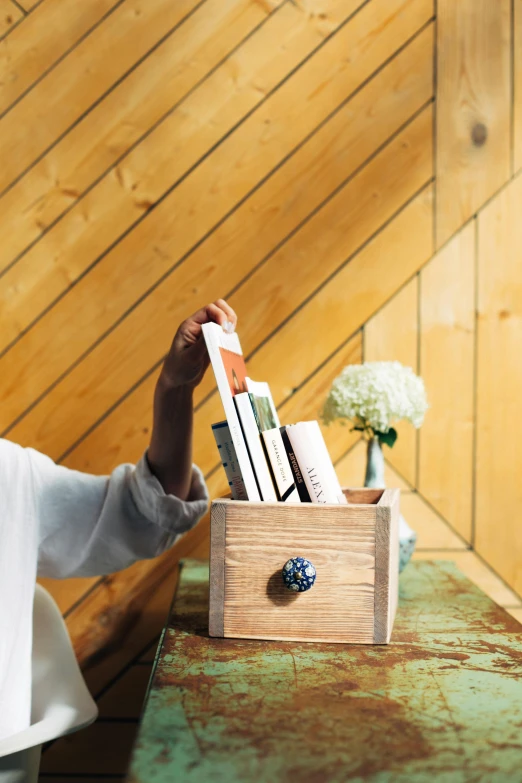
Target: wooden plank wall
345	172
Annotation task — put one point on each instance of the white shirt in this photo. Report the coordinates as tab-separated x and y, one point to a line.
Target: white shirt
58	522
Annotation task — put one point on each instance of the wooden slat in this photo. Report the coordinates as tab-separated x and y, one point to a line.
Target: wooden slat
66	592
46	35
82	78
9	14
391	335
360	208
432	531
477	571
517	91
447	366
124	699
408	234
192	208
473	107
103	748
498	492
126	115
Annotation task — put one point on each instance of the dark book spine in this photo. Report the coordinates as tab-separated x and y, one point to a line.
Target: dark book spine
296	470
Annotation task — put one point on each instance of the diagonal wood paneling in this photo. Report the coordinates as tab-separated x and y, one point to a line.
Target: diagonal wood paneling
52	30
473	122
363	276
385	187
194	64
156	167
24	365
193	208
82	78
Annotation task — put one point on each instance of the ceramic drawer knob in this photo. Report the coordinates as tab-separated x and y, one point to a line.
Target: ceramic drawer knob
298	574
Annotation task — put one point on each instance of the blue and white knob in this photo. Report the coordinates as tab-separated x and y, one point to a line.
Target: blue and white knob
299	574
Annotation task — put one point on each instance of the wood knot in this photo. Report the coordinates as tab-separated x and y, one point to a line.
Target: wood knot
479	134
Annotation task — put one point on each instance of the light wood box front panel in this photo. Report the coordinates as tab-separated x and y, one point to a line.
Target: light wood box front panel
354	549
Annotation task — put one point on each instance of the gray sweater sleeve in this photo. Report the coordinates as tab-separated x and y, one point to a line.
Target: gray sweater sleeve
93	525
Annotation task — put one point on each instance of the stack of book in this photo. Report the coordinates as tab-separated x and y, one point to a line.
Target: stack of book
263	460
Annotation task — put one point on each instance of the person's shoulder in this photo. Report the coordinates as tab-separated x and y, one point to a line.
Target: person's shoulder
14	462
10	449
22	458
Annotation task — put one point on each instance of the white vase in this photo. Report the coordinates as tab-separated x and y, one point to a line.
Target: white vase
375	478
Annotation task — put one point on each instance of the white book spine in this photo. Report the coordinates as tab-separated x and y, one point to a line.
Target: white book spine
214	338
334	486
228	457
280	465
255	447
311	462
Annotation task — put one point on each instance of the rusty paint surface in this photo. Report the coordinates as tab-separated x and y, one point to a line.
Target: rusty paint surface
442	702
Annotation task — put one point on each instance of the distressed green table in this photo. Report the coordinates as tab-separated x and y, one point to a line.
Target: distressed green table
442	702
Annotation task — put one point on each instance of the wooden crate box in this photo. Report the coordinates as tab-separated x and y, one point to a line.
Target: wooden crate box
355	551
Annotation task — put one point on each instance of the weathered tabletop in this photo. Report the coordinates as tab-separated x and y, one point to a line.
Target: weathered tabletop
442	702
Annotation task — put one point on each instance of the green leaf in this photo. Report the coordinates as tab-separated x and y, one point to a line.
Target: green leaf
388	438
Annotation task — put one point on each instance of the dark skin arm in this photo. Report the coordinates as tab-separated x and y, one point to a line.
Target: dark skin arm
170	451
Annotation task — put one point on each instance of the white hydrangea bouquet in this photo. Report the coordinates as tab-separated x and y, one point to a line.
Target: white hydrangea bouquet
372	396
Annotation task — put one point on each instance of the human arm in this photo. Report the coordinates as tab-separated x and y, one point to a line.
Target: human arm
94	524
182	371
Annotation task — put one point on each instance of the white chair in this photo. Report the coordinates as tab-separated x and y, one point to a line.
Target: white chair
61	702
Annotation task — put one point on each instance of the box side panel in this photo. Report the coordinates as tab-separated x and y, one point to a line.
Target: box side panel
218	517
382	574
394	561
387	564
339	541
